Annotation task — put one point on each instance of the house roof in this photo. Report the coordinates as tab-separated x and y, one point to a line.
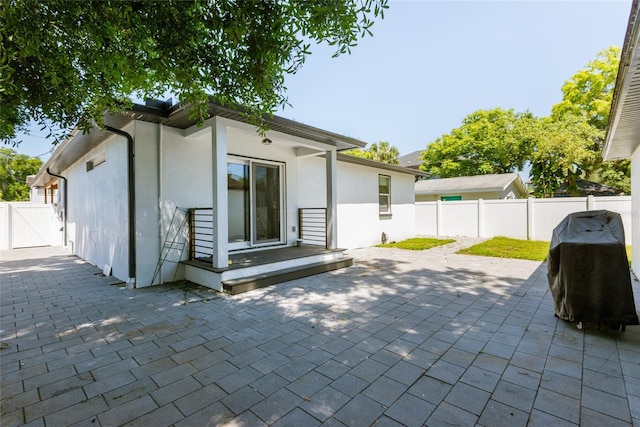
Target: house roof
623	132
412	160
379	165
589	188
177	116
470	184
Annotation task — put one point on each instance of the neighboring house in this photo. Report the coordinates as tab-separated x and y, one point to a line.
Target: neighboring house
623	133
219	192
493	186
588	188
411	160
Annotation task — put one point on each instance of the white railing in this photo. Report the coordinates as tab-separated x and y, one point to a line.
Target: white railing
532	219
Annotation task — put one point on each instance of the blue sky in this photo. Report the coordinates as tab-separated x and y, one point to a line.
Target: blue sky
431	63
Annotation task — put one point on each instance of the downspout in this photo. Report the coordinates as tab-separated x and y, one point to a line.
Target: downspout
64	196
131	190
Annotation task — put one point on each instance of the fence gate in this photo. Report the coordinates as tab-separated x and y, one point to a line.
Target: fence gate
26	225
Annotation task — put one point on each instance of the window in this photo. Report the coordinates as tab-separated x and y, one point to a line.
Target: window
96	161
384	195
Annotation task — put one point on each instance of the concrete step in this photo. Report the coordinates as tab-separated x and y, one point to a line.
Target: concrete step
236	286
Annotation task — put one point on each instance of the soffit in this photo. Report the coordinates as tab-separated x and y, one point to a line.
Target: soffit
623	134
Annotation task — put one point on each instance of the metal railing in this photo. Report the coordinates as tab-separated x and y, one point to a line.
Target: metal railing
313	226
200	233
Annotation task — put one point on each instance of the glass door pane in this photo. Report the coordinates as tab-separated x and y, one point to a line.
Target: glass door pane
267	203
238	206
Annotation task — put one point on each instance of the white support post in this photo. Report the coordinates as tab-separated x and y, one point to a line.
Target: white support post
220	197
530	218
332	199
591	203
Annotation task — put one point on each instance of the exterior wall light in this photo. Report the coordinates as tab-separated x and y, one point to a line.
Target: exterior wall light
266	141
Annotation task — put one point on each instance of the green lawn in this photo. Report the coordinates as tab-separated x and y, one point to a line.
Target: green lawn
417	244
505	247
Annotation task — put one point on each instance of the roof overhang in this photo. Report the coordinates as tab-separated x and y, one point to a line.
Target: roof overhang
177	116
379	165
623	132
466	186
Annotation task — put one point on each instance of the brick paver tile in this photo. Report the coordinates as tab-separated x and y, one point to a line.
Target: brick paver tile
360	411
242	399
430	389
469	398
542	419
214	414
325	403
309	384
605	403
446	414
558	405
499	414
297	417
76	413
276	406
410	410
589	418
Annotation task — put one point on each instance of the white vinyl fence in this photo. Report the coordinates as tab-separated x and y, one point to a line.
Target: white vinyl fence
532	219
25	224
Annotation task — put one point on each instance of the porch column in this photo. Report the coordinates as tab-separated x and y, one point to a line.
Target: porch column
220	198
332	199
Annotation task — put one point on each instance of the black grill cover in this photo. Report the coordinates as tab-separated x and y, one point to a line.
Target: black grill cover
588	270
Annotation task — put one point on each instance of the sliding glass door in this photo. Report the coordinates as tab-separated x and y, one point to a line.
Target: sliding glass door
256	203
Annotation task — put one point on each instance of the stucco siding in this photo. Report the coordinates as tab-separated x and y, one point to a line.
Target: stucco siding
359	221
97	207
148	238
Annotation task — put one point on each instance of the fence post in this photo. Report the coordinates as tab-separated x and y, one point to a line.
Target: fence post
480	218
9	226
530	218
591	203
438	217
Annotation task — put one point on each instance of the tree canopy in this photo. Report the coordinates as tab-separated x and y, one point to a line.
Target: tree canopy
589	92
487	142
381	152
14	169
560	148
64	62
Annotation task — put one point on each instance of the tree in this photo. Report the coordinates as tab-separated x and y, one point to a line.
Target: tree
562	151
381	152
589	94
14	169
65	62
488	141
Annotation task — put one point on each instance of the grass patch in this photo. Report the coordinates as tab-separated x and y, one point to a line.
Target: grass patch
505	247
417	243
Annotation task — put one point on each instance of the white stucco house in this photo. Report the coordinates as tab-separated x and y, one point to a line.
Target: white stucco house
491	186
623	133
154	188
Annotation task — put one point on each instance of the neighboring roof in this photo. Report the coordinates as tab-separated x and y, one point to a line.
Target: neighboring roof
623	132
470	184
411	160
177	116
379	165
589	188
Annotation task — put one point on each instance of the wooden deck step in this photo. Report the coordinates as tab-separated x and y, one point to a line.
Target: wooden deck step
237	286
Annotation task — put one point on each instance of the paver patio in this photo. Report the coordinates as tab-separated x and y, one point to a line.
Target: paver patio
401	338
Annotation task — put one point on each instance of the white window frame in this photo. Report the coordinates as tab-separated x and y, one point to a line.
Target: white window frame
387	213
